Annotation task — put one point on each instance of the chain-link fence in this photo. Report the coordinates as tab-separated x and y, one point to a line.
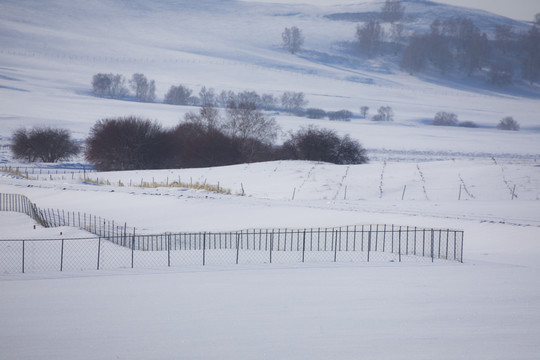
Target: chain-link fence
115	247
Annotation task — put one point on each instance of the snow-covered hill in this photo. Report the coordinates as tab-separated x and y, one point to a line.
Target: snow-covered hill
482	180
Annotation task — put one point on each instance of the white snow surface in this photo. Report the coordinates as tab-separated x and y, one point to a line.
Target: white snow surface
483	181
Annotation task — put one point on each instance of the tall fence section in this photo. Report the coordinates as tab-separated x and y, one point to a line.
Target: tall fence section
115	246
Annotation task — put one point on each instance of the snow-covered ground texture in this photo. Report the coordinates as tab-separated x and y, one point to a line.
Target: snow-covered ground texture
483	181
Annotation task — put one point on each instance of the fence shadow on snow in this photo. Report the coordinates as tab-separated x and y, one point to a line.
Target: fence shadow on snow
114	247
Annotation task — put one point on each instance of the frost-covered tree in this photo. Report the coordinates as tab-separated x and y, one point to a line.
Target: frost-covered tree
384	113
364	111
207	96
145	90
370	36
508	123
110	85
179	95
293	102
445	119
292	39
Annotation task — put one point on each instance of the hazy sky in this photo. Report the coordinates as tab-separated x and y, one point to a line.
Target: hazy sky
515	9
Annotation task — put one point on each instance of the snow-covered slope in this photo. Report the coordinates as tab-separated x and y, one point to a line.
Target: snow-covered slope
484	181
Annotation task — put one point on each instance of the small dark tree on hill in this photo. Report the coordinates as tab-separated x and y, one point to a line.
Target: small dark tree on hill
370	36
110	85
293	102
445	119
324	145
508	123
314	113
145	90
179	95
364	111
384	113
343	115
292	39
392	11
43	144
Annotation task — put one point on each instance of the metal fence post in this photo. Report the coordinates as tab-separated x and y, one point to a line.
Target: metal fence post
62	256
98	251
369	243
169	251
304	246
462	241
432	245
132	250
204	250
237	247
23	256
334	241
399	244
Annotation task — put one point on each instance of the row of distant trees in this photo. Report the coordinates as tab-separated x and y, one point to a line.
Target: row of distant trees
115	86
443	118
454	43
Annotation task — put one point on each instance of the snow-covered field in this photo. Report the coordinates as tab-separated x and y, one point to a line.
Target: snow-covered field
483	181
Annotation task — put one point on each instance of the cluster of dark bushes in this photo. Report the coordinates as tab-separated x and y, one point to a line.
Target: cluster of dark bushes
43	144
443	118
135	143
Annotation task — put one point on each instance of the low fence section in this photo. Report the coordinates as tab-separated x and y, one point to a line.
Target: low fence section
115	247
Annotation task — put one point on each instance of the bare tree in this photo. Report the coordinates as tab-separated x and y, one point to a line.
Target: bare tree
292	39
392	11
109	85
245	121
445	119
208	118
370	36
530	67
293	102
179	95
145	91
384	113
207	96
508	123
364	111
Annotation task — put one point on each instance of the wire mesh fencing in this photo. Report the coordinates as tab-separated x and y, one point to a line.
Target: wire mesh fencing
361	243
116	246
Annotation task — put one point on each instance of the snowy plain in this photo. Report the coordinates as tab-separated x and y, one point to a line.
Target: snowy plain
486	308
